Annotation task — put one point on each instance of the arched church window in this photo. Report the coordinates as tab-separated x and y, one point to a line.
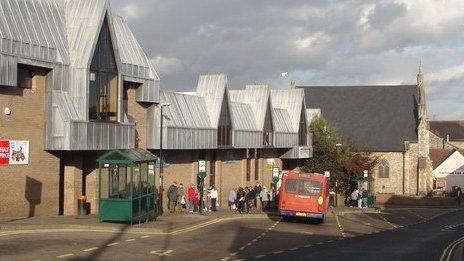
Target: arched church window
384	169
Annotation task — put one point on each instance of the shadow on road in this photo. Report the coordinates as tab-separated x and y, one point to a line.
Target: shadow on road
103	247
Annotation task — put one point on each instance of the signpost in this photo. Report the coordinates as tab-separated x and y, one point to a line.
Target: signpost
327	174
275	175
201	185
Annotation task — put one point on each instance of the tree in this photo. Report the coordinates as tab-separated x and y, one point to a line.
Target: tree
330	154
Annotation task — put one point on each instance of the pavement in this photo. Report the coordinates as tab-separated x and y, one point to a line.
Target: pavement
354	233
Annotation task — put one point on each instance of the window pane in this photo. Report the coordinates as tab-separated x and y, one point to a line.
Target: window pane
303	187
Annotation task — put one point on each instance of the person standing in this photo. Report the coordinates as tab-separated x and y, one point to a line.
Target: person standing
181	197
331	198
256	191
172	197
191	197
232	198
240	199
354	197
214	196
364	196
359	198
458	196
264	198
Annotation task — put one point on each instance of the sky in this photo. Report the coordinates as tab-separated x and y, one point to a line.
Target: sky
318	42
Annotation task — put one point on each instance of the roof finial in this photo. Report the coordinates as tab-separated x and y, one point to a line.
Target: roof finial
292	85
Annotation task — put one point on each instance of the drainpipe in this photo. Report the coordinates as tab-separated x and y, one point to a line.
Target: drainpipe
404	170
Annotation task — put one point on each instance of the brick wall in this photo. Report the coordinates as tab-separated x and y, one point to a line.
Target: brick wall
31	189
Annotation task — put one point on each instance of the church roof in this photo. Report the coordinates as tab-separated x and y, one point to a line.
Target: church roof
455	129
373	118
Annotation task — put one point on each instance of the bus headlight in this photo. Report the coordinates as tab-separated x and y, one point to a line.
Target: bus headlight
320	200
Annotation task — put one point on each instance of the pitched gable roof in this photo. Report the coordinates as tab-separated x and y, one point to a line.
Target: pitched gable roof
185	111
243	117
437	156
257	96
375	118
291	100
455	129
213	88
83	22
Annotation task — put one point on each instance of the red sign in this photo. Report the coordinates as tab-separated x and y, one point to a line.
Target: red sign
4	152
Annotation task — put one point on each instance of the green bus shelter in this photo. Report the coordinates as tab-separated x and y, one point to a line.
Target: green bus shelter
370	188
126	185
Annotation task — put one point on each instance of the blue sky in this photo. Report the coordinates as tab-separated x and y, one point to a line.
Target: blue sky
320	42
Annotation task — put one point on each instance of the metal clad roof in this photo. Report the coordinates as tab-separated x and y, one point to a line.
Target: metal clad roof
311	114
255	95
292	101
83	20
129	49
282	122
243	117
186	111
33	29
212	88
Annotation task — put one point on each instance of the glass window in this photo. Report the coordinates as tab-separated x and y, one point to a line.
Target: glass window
384	169
136	181
144	177
303	187
248	169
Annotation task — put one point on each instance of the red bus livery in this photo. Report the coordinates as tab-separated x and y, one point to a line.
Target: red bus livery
303	195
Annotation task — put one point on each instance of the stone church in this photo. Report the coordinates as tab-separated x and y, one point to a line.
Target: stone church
388	121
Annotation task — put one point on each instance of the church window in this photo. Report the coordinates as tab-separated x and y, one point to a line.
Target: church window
384	169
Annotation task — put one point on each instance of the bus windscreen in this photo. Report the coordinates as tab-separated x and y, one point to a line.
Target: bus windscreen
303	187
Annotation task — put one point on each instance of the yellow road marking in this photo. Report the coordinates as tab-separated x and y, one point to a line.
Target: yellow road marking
146	236
391	224
340	226
112	244
65	255
90	249
130	239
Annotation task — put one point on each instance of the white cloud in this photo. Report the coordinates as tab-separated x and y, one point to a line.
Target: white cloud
167	65
312	40
315	41
130	11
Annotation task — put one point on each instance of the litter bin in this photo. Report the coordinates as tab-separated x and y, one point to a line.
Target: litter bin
81	206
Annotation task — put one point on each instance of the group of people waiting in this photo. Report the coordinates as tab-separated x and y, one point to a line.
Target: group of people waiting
244	199
181	199
358	198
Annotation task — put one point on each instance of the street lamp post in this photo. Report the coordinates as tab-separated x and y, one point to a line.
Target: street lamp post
161	192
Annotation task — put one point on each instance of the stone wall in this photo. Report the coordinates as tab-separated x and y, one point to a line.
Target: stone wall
394	183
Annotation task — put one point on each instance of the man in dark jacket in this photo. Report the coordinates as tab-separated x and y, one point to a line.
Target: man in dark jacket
172	197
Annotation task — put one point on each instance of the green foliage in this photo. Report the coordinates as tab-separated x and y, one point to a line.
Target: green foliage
330	154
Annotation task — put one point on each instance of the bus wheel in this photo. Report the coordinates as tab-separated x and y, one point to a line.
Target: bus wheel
285	218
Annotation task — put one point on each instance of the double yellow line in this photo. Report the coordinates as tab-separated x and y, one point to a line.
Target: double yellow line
448	252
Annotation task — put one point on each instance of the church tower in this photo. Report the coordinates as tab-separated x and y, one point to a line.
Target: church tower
424	179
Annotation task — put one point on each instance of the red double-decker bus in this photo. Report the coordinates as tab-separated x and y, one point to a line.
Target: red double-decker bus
303	195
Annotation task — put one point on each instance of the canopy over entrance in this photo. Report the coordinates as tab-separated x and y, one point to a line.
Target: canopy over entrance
126	185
